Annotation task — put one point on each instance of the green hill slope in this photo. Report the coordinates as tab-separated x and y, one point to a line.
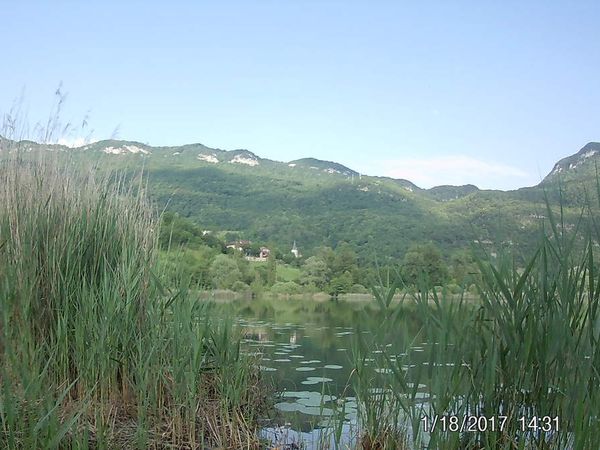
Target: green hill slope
317	203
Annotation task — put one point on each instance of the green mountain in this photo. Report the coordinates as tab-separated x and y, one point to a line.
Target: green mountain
325	166
574	167
321	203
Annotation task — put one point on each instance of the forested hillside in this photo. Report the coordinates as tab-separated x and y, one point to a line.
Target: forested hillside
238	195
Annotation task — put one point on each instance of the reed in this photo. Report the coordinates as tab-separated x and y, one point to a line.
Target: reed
527	349
95	352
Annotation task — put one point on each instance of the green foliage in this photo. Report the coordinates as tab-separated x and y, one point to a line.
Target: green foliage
359	289
286	287
463	268
286	272
272	202
240	286
188	265
177	231
271	271
424	262
528	347
340	284
224	272
96	351
315	272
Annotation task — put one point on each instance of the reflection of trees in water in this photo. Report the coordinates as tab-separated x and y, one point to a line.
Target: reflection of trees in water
319	314
256	334
321	328
316	334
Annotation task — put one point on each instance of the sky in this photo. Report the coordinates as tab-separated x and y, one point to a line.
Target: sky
436	92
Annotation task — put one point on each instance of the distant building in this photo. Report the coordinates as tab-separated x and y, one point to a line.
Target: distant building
263	255
295	251
240	246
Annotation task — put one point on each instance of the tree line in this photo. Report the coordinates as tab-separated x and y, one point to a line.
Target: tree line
203	260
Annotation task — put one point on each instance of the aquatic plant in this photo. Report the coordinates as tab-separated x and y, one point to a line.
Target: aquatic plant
94	350
516	368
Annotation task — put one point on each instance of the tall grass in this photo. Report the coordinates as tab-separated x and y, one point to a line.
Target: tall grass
528	348
94	351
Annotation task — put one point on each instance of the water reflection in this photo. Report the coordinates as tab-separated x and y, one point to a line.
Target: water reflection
305	349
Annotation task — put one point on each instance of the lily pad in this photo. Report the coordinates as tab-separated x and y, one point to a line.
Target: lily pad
297	394
316	380
310	401
315	411
287	407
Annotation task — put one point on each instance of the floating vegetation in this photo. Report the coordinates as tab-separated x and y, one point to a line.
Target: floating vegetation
311	401
344	333
316	411
316	380
287	407
296	394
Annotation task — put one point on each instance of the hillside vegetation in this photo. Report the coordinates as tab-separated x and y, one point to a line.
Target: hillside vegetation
236	194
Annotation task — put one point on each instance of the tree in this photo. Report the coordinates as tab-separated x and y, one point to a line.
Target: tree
463	267
257	285
224	272
424	262
315	272
271	271
344	260
176	231
340	284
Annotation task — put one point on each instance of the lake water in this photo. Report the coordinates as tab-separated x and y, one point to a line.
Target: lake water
306	350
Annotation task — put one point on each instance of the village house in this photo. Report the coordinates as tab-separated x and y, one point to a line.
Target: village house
244	247
240	246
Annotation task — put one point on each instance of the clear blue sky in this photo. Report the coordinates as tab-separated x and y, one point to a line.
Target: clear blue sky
490	93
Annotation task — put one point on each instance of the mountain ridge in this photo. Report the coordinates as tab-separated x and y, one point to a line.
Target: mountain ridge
247	157
272	203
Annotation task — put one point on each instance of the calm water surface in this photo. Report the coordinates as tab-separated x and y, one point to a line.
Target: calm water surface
306	350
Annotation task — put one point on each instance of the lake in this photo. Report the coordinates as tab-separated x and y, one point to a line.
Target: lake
306	349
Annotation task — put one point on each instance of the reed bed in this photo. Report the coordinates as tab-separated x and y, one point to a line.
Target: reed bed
518	369
95	352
